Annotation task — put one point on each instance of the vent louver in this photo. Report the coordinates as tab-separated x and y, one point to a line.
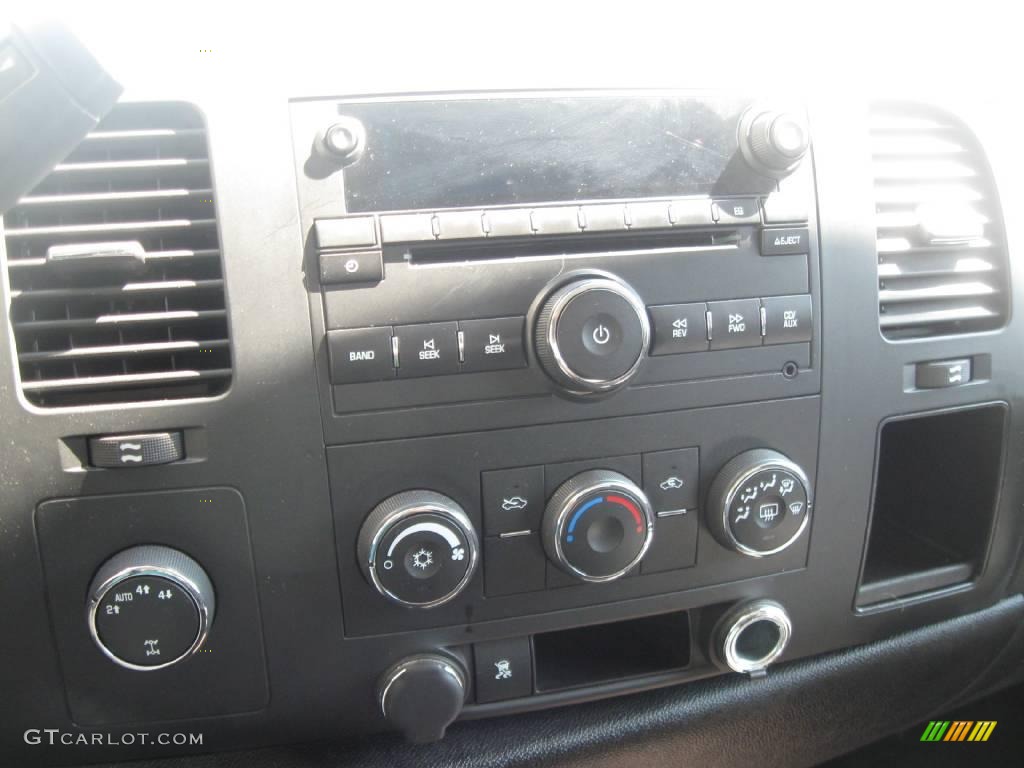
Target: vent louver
117	289
942	263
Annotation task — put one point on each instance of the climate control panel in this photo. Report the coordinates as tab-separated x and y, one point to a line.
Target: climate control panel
467	545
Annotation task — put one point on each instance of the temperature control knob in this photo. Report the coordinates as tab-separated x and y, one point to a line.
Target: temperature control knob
591	335
150	607
418	548
597	526
759	503
772	141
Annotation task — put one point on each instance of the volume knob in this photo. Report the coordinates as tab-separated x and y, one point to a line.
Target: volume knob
591	335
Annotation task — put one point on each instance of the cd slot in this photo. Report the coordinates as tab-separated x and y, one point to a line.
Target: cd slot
526	247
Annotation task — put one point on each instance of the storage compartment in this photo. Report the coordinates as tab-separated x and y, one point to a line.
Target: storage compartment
607	652
935	501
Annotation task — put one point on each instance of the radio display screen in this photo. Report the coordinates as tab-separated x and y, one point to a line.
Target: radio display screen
426	154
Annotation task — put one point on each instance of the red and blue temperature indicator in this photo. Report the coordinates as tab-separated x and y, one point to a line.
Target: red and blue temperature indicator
611	498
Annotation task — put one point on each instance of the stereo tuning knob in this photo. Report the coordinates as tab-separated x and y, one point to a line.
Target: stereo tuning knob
591	335
418	549
773	142
759	503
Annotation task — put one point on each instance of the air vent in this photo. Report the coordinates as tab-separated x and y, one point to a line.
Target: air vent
117	289
942	266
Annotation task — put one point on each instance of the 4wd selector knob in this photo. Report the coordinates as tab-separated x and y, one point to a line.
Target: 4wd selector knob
591	335
418	548
759	503
597	526
150	607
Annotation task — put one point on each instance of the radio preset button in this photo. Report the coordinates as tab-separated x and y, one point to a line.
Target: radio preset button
428	349
787	319
492	345
735	323
352	232
556	221
360	354
406	228
679	328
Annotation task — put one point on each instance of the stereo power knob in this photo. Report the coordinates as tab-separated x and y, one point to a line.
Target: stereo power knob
597	526
759	503
773	141
150	607
418	549
591	335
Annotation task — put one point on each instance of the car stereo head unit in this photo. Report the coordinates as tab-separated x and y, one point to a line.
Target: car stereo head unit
469	254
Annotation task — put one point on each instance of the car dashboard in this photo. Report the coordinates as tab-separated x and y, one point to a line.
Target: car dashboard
521	417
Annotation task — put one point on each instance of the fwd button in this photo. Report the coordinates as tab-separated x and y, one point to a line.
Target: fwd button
735	323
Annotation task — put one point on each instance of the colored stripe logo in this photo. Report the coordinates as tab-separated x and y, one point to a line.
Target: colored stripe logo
958	730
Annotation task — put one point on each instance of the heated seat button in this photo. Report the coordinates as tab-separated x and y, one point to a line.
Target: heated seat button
679	328
142	450
939	374
492	345
360	354
504	669
429	349
735	323
787	319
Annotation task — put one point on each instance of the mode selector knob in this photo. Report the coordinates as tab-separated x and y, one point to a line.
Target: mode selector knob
597	526
773	141
418	549
591	335
759	503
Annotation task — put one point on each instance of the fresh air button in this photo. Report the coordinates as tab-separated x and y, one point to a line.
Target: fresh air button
504	669
360	354
787	319
428	349
735	323
141	450
671	480
513	500
679	328
351	268
939	374
782	242
736	211
492	345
